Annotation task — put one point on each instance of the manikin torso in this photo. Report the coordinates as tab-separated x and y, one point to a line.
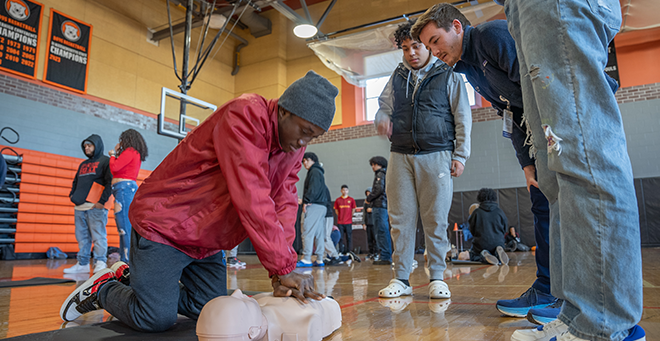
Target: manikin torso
267	318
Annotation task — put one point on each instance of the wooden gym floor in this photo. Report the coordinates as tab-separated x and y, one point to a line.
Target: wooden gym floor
469	315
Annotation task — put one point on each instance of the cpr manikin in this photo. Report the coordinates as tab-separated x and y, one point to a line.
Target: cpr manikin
267	318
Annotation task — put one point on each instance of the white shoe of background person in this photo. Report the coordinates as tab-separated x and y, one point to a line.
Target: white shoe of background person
99	265
76	269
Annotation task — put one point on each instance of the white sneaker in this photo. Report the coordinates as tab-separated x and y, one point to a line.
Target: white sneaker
395	289
76	269
542	333
99	265
439	289
566	336
504	258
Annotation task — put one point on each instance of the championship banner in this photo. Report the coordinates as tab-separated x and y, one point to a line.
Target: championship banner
20	24
67	57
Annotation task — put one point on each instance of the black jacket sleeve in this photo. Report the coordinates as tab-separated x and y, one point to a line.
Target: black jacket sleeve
107	179
75	182
378	187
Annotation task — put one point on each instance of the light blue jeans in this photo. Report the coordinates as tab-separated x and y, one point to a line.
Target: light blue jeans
582	161
90	228
124	191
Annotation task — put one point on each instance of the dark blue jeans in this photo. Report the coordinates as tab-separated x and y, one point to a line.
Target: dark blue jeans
124	191
382	227
541	211
155	296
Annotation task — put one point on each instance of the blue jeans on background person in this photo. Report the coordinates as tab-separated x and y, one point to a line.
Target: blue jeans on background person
582	162
382	226
157	293
124	191
541	212
90	228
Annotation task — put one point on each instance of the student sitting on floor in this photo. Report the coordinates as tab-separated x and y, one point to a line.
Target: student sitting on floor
488	226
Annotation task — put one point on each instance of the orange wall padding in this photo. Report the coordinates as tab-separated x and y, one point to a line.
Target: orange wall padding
45	214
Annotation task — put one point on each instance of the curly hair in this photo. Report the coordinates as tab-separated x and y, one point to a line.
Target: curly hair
131	138
486	194
442	15
402	33
378	160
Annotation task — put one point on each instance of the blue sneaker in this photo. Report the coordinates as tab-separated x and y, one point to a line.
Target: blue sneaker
318	263
530	299
635	333
303	264
545	315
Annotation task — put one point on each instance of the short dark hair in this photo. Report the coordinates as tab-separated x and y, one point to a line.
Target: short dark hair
486	194
442	15
378	160
311	156
344	186
402	33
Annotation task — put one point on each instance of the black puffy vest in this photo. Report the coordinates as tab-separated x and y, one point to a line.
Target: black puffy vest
427	125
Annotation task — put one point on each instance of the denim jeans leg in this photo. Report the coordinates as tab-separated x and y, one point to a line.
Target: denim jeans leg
382	226
84	237
97	219
541	212
124	192
562	50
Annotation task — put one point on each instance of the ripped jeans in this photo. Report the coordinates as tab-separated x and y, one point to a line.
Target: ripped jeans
582	161
124	191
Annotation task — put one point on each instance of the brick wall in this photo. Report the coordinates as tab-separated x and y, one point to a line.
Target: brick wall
42	93
34	91
624	95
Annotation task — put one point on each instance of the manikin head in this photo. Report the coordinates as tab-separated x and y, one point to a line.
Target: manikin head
235	317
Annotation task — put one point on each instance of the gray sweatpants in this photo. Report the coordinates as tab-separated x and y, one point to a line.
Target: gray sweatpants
329	245
313	232
424	183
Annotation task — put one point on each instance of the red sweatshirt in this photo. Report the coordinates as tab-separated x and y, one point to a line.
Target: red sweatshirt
126	165
227	180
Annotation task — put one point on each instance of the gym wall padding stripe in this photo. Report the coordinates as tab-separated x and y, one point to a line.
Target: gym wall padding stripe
45	215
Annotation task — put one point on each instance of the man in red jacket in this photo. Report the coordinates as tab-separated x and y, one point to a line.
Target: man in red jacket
231	178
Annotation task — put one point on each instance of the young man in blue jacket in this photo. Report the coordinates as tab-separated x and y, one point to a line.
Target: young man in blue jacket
595	251
486	54
425	111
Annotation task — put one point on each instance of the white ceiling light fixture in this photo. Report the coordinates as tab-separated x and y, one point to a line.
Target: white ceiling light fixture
217	21
305	31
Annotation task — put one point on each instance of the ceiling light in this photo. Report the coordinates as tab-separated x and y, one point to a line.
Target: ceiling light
305	31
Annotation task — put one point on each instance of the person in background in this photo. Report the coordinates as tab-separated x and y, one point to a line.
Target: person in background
125	161
344	208
315	198
488	226
368	225
90	192
377	198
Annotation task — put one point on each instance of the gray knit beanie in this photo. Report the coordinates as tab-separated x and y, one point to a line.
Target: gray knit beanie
311	98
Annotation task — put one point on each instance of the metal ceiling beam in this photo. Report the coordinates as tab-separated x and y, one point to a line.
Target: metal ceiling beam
325	14
303	4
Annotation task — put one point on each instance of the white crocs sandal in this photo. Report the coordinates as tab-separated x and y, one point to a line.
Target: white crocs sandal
395	289
439	289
